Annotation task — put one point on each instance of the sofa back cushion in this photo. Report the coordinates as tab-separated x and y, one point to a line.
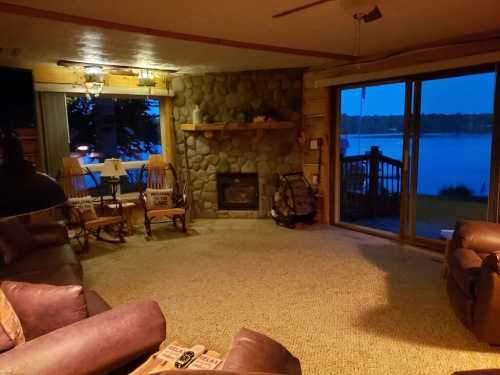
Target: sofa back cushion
479	236
15	240
44	308
11	331
254	352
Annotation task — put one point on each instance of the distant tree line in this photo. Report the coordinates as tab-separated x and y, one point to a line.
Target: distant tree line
431	123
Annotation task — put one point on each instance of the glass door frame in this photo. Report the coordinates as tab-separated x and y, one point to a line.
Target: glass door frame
411	134
336	132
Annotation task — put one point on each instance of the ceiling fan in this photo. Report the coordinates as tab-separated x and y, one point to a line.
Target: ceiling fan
364	10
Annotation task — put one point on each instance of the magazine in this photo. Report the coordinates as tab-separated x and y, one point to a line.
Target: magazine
208	361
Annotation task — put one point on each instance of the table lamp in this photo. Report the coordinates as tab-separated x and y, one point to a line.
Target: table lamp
113	169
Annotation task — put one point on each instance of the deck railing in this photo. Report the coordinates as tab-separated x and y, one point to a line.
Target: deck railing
371	185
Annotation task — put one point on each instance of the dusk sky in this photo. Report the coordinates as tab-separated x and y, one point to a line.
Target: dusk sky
466	94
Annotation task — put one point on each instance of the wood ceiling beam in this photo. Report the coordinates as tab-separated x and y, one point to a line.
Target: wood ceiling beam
93	22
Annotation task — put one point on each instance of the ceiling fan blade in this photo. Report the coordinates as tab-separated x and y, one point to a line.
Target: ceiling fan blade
373	15
298	9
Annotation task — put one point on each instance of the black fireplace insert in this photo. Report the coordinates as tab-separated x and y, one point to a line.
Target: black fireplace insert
238	191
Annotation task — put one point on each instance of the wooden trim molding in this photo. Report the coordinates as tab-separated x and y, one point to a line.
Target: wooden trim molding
107	90
110	25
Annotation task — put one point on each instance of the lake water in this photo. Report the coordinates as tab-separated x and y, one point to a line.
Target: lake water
445	159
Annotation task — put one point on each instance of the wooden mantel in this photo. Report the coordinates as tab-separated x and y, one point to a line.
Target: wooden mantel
209	129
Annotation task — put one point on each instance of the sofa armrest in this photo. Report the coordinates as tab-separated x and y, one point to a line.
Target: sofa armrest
50	234
486	311
254	352
479	236
96	345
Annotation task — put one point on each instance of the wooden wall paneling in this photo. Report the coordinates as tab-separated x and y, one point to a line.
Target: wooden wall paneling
494	201
168	143
316	124
29	140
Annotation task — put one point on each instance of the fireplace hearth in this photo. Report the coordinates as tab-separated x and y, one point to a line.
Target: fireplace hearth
238	191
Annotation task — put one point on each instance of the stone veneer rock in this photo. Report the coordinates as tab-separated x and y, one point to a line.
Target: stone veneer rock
230	97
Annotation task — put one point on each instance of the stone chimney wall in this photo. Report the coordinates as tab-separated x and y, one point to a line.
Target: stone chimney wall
237	97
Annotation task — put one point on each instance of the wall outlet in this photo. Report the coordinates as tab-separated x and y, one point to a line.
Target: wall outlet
314	144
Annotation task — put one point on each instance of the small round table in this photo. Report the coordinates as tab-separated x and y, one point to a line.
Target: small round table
127	213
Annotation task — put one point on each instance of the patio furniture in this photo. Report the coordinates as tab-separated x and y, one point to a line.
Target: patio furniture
474	278
80	212
162	180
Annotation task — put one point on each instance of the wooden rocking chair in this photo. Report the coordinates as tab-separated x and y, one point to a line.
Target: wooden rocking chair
162	176
87	221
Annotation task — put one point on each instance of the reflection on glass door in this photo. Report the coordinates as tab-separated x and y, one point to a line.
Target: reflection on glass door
371	154
454	152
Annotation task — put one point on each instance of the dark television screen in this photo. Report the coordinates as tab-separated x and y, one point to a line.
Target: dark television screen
17	108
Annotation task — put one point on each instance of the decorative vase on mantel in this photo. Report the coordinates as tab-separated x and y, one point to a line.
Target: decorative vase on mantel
196	115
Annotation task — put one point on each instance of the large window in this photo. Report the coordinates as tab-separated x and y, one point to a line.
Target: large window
104	127
107	127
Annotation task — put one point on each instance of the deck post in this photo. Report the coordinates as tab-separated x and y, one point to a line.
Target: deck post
373	181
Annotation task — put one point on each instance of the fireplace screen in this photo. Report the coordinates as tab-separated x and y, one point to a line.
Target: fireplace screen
238	191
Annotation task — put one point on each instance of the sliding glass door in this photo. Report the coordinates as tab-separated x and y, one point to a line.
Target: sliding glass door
414	157
454	152
371	154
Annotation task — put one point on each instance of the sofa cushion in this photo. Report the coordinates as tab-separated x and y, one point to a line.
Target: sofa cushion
43	259
44	308
9	324
465	265
253	351
15	240
477	235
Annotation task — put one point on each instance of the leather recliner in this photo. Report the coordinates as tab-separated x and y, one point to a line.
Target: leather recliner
474	278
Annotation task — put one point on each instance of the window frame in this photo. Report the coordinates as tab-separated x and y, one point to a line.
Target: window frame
412	112
132	164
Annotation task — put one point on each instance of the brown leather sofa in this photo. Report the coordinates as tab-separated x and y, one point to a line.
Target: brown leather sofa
113	341
474	278
106	341
50	259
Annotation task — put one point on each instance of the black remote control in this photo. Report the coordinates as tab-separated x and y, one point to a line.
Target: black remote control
184	359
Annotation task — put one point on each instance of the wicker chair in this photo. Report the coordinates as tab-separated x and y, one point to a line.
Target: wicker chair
159	174
73	181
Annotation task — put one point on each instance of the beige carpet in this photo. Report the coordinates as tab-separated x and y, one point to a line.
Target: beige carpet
343	302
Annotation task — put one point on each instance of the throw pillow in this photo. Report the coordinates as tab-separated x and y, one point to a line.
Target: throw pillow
11	331
44	308
81	209
157	199
15	240
6	342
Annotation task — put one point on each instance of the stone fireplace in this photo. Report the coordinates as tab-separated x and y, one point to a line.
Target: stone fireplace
238	191
227	98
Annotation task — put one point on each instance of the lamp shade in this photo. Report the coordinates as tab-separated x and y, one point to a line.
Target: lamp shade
113	168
